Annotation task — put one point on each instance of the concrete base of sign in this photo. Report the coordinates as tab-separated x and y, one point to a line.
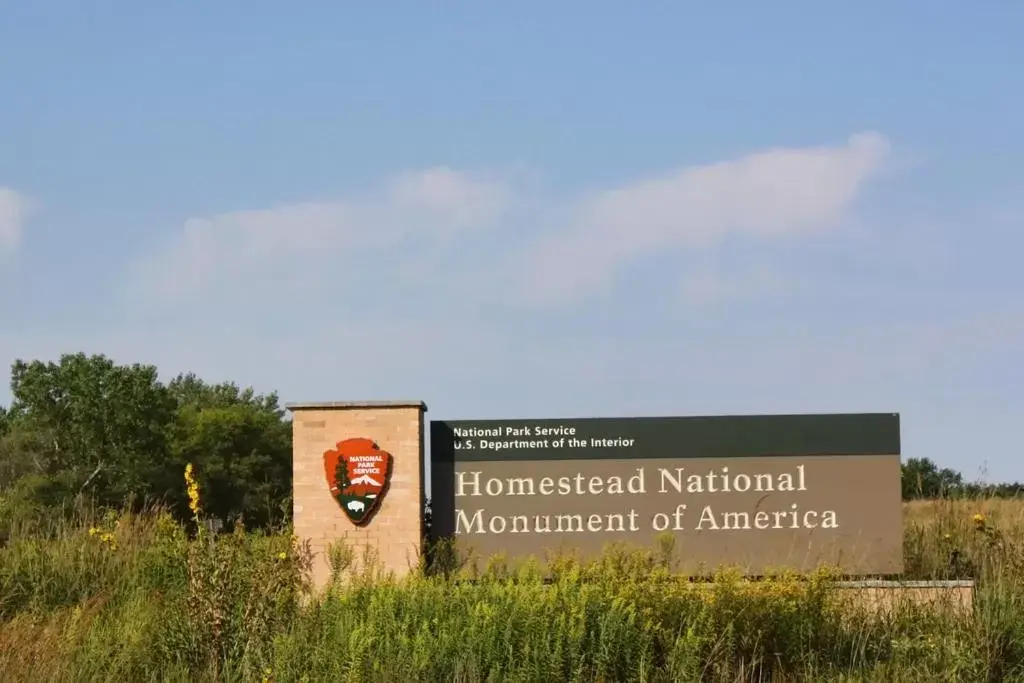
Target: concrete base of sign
377	514
956	596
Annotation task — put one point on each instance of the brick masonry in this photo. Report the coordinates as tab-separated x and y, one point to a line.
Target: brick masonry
394	534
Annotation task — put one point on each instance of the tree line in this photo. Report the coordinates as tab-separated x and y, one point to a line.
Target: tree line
87	428
923	479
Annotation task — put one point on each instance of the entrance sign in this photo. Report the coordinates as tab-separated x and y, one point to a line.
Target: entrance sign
358	473
759	492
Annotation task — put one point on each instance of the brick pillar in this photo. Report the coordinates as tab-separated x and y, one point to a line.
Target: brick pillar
394	532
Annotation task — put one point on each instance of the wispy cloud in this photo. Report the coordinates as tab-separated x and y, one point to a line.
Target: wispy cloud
14	210
767	195
288	246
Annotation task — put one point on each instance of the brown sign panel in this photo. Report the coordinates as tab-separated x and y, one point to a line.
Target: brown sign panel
756	492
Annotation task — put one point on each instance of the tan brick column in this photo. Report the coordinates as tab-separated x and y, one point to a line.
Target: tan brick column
394	533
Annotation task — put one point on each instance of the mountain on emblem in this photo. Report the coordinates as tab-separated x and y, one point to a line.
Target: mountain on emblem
358	473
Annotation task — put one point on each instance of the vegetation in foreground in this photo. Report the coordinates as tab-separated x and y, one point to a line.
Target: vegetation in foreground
141	597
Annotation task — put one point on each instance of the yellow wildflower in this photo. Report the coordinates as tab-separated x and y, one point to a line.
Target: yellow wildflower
93	531
282	555
193	490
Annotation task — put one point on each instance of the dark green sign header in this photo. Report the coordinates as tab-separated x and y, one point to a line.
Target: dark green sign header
741	436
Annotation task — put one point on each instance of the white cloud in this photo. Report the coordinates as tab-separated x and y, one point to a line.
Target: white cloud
14	209
766	195
448	201
287	245
709	287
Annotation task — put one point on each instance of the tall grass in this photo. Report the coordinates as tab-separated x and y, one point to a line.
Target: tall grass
139	598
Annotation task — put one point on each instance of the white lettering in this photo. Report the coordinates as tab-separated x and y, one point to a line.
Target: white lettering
676	482
736	520
569	519
678	517
706	515
461	520
475	483
494	490
521	484
793	518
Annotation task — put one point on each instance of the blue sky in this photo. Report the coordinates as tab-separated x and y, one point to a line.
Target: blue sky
531	209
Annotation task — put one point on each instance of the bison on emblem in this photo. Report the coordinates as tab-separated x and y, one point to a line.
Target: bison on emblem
358	473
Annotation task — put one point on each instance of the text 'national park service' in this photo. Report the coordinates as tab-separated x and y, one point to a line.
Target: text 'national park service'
527	436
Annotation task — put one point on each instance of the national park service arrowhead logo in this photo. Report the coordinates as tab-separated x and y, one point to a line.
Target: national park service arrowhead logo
358	473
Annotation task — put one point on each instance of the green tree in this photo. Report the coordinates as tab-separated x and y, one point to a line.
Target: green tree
240	443
98	428
85	426
922	478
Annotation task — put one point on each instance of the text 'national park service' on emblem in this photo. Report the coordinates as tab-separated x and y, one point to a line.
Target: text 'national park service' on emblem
358	473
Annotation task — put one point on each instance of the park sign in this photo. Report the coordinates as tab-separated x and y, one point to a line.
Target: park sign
757	492
358	473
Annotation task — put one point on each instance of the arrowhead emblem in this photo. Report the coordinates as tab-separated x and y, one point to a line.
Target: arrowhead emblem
358	473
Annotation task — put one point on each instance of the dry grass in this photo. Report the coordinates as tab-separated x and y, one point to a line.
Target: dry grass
1007	513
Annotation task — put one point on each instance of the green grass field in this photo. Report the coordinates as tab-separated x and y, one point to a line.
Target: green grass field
135	598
